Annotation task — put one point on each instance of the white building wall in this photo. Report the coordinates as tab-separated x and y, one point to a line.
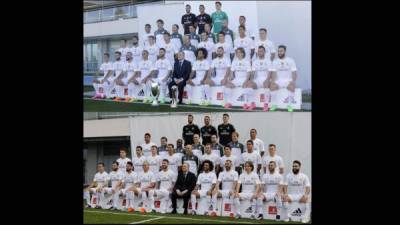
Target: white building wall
116	27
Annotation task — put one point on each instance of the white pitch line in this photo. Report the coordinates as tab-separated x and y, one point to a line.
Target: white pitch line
143	221
170	217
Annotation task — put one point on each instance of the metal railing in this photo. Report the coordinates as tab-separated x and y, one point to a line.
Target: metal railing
109	14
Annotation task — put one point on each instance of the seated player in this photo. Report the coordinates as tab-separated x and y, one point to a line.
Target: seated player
229	178
139	159
220	68
261	68
198	77
141	80
241	69
152	49
164	68
228	156
154	160
270	190
252	156
205	185
100	181
208	155
297	188
174	159
116	178
122	81
129	180
250	187
284	76
198	148
107	70
166	179
208	45
146	182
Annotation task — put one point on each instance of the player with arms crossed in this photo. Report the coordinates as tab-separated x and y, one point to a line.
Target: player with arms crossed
116	178
98	82
205	185
166	179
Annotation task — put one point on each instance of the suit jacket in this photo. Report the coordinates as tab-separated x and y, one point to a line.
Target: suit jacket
182	71
188	183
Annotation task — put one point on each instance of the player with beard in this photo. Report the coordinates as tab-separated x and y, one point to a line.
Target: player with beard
205	185
109	80
197	147
98	82
116	178
225	130
166	179
139	159
176	37
164	68
163	149
100	182
207	131
146	146
236	146
220	69
122	160
140	80
216	148
198	77
174	159
129	190
228	156
136	50
121	81
189	130
208	155
191	160
180	150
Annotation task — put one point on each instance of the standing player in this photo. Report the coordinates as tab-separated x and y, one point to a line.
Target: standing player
123	49
208	45
228	156
174	159
297	188
285	76
252	156
164	68
163	149
226	46
249	32
146	146
107	70
166	179
244	42
267	44
197	147
136	50
189	130
188	49
109	80
100	181
241	69
147	183
236	146
262	70
122	160
220	68
116	178
271	188
225	130
258	143
250	187
138	160
145	37
154	160
202	19
137	83
204	187
207	131
229	35
159	33
152	49
129	181
193	37
176	37
188	19
123	79
211	37
272	156
229	179
191	160
180	150
170	48
216	148
198	76
217	17
215	159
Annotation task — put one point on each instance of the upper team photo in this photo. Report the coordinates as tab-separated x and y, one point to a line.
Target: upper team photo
193	56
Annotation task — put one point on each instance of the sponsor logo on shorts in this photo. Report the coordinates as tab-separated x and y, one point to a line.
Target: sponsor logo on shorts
272	210
227	207
125	91
157	204
220	96
262	97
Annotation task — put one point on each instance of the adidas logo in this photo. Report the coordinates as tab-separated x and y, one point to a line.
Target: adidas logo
248	210
141	93
240	98
297	212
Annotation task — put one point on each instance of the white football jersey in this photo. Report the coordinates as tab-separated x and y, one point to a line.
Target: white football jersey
130	179
163	66
170	51
235	161
145	39
138	163
136	53
258	146
115	177
147	147
249	182
174	161
201	68
123	53
254	157
246	43
228	49
209	46
122	164
278	161
105	67
146	178
154	163
297	183
227	178
213	158
130	68
269	48
206	180
220	65
166	179
101	179
261	68
271	182
241	68
284	68
153	52
118	67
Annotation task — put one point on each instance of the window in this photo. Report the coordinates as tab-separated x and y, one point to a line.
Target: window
93	16
91	56
107	14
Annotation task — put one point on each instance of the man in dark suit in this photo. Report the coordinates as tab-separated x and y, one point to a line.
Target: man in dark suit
182	70
183	188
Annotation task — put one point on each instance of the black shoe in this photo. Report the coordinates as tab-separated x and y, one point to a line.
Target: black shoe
88	206
173	211
185	212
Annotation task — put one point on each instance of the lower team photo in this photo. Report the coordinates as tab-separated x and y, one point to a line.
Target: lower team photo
197	167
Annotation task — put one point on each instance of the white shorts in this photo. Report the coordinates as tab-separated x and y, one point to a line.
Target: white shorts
217	80
203	193
161	193
295	197
283	83
260	82
224	193
245	195
196	81
238	82
269	196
